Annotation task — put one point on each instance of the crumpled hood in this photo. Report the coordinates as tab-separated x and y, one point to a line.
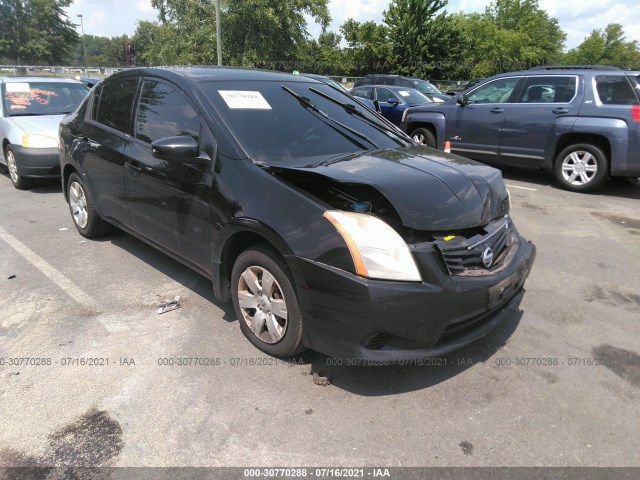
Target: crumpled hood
431	190
46	125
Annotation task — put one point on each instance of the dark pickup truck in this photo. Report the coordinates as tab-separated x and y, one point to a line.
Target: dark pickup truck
581	122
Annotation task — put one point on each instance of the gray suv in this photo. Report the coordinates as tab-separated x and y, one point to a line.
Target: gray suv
581	122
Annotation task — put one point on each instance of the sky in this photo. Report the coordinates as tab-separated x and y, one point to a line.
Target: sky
577	17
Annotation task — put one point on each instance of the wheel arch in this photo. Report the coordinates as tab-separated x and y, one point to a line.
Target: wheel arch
235	239
433	121
66	173
568	139
428	125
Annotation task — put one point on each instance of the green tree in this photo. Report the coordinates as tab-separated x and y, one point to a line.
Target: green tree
189	35
510	35
255	32
608	47
368	49
269	32
322	55
421	38
152	42
96	46
36	31
541	38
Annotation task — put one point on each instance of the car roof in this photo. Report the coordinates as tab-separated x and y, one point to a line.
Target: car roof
395	87
562	70
206	74
314	75
37	79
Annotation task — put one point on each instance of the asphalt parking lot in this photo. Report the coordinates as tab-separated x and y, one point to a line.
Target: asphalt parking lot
557	385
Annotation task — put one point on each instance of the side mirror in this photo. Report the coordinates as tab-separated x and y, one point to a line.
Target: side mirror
182	148
393	100
462	100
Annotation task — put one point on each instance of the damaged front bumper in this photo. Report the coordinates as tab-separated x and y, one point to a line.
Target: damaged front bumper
353	317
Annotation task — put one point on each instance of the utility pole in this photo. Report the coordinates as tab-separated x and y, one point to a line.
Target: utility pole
84	45
218	34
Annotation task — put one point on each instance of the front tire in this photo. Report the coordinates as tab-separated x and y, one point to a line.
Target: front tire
20	182
582	167
87	221
266	303
424	137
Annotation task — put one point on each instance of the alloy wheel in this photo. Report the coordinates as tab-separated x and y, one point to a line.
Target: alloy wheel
420	138
78	204
13	167
262	303
579	167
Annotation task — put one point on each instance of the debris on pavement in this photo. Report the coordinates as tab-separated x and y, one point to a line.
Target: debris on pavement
64	229
169	305
11	277
321	380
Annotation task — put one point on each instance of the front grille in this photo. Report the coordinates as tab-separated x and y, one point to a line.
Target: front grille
482	253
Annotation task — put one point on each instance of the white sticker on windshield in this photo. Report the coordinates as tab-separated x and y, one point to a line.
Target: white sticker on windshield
17	87
241	99
404	93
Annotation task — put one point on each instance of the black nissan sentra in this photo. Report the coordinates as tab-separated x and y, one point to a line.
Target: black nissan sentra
327	227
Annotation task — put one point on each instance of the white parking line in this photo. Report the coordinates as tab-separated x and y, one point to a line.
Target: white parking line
49	271
523	188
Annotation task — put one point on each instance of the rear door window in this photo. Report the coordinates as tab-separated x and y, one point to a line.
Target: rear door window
163	111
116	104
552	89
615	90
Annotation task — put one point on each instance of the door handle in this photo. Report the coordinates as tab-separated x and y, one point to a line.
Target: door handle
135	168
90	143
497	110
559	111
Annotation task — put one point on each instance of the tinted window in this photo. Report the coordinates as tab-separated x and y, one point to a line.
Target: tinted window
424	86
116	103
273	126
42	98
496	91
412	96
164	112
548	90
384	94
363	92
386	80
615	90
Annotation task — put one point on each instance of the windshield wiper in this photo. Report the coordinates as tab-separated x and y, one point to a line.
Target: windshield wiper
324	117
353	110
27	114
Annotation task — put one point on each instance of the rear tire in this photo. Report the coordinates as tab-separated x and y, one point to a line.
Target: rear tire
87	221
424	137
581	167
266	303
20	182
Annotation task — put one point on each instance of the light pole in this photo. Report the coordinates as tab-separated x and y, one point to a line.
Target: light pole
218	33
84	45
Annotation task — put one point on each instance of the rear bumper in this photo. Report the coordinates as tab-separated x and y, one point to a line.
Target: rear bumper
37	162
353	317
